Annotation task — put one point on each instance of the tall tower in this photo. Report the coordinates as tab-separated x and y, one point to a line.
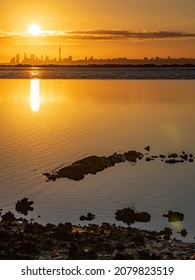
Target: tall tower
60	58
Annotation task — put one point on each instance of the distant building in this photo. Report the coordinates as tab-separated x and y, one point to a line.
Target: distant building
17	59
60	56
35	60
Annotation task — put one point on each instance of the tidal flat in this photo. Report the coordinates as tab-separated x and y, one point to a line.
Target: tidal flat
30	240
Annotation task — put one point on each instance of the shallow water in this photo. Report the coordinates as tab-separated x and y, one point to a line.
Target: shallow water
52	72
48	123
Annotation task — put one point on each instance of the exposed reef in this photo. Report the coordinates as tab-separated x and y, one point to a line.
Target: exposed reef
93	164
174	216
89	217
21	239
129	216
23	206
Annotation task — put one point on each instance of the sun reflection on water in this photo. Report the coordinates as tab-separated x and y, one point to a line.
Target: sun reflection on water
34	95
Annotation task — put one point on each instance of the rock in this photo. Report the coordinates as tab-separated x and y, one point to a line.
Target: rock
106	246
28	247
8	217
24	206
73	251
174	155
143	217
89	254
183	232
139	239
132	156
22	239
93	164
89	217
184	156
149	159
147	148
167	232
143	255
50	177
129	216
173	161
162	156
120	246
126	215
174	216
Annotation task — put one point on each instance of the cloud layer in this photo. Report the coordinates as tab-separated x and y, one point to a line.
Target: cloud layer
51	36
125	34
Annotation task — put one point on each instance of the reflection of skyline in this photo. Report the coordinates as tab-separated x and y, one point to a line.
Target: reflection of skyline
34	95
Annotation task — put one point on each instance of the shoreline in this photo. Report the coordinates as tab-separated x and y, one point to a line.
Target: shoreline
149	65
21	239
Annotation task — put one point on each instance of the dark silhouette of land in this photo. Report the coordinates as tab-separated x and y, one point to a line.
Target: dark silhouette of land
33	60
150	65
28	240
94	164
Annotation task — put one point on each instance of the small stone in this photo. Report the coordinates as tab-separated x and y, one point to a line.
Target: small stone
147	148
8	217
24	206
183	232
174	216
174	155
73	250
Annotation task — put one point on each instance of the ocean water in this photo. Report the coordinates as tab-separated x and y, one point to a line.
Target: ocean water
97	73
46	123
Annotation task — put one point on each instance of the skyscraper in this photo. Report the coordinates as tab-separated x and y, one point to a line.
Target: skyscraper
60	58
17	58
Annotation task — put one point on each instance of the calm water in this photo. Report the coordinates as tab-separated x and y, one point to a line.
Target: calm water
47	123
96	73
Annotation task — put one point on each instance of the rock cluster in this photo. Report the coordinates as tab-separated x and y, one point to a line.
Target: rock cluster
129	216
23	239
20	239
89	217
23	206
93	164
174	216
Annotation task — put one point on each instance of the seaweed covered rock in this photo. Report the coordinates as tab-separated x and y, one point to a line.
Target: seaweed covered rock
94	164
174	216
89	217
77	170
183	232
132	156
8	217
23	206
130	216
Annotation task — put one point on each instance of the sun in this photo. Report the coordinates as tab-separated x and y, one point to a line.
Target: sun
34	29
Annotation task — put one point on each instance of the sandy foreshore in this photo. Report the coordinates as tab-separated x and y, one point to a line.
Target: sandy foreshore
22	239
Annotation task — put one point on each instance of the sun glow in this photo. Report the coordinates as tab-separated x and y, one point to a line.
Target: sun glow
34	29
34	95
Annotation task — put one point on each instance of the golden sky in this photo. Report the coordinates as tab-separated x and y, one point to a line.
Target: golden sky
98	28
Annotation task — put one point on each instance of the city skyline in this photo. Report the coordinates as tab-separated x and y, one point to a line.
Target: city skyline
136	29
60	60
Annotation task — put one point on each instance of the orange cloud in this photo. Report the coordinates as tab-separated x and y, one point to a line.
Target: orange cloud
53	36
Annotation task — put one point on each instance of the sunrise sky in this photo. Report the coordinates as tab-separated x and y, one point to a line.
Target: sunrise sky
99	28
